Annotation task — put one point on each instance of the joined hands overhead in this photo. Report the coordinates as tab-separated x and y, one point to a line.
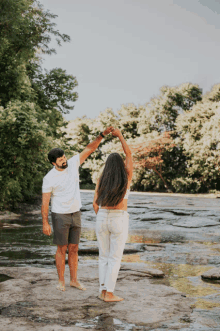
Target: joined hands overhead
114	131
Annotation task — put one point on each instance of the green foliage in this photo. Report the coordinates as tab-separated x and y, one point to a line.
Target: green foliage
25	28
186	185
200	137
192	165
53	93
213	95
54	89
23	151
32	101
163	110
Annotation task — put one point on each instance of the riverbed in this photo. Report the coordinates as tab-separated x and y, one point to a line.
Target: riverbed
178	235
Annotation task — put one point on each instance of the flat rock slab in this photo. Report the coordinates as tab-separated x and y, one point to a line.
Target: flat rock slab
196	222
30	301
212	274
92	249
141	269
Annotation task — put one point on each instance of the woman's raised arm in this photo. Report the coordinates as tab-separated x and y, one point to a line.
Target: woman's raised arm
128	160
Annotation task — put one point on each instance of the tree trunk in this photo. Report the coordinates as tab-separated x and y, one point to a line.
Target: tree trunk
165	184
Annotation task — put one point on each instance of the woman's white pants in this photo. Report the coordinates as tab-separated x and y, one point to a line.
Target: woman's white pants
112	233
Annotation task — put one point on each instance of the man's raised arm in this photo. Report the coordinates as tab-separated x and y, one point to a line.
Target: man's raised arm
90	148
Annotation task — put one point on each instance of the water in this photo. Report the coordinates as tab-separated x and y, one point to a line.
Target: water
178	235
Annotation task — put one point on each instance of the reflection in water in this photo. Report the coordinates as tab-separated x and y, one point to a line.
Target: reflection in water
204	304
88	258
185	285
106	323
142	239
131	258
176	276
4	277
88	234
186	278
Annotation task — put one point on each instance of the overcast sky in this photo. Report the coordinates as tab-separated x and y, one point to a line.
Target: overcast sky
123	51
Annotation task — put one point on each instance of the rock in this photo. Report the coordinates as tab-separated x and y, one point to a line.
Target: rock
141	269
88	251
195	222
30	301
212	274
11	225
92	249
152	248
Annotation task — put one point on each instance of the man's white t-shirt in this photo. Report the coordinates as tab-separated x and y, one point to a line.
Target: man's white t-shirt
64	187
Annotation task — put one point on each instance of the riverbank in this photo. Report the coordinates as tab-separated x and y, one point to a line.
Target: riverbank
164	194
34	206
178	236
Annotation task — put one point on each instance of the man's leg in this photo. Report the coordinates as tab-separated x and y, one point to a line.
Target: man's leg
73	261
74	239
73	265
60	264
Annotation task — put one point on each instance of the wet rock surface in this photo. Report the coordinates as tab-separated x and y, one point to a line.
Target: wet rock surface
31	296
213	274
172	248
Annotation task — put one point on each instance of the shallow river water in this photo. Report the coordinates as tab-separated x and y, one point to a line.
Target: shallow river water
178	235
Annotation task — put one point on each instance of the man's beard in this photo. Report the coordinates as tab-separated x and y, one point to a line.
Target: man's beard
63	166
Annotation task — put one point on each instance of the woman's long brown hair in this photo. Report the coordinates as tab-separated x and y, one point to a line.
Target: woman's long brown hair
113	182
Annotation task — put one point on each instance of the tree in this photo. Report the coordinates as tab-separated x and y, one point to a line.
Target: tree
162	111
129	117
25	28
185	159
149	154
54	95
32	101
213	95
200	137
23	152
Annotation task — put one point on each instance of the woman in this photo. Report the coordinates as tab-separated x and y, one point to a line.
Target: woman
110	205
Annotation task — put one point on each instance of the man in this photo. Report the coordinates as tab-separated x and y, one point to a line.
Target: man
61	184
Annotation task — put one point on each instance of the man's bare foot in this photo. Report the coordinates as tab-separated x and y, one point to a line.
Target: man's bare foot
77	285
110	297
61	286
102	295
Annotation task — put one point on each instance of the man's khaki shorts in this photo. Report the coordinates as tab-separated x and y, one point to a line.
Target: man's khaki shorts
66	228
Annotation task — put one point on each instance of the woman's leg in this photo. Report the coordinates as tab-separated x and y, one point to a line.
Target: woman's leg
103	238
118	237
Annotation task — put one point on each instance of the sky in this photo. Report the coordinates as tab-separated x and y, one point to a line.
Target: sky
124	51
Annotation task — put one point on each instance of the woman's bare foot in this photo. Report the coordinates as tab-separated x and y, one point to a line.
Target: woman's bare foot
110	297
77	285
102	295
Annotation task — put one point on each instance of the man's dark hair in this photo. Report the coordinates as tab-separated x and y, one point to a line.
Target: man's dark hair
54	154
113	182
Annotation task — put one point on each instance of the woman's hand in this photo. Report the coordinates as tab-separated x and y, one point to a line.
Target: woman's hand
95	207
108	130
116	133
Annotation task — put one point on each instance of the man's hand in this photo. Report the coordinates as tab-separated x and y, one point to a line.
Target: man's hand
108	130
116	133
47	229
90	148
